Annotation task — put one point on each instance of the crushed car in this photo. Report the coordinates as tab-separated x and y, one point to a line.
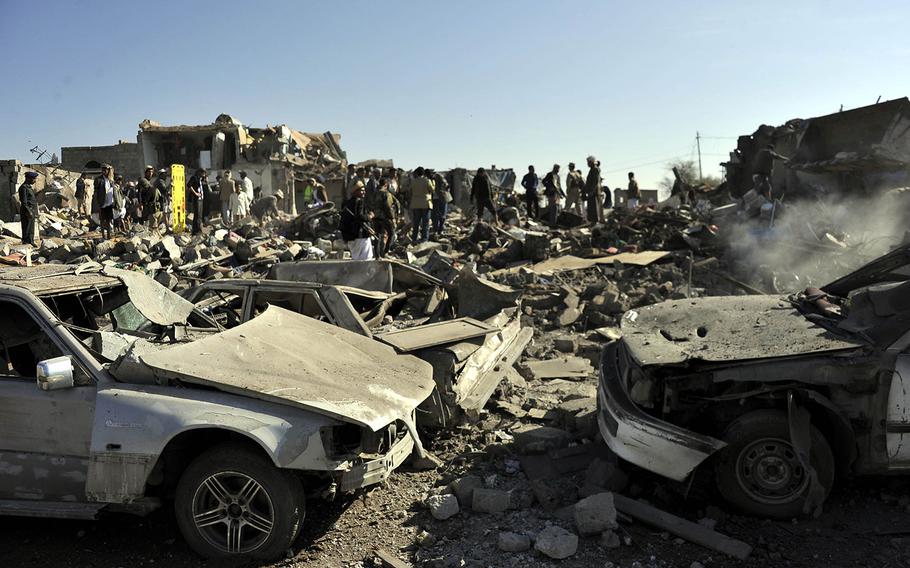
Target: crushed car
118	395
470	356
777	395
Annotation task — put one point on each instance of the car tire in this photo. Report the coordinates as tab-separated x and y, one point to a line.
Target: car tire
232	502
758	472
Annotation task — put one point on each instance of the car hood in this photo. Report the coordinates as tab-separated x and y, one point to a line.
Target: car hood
721	329
284	357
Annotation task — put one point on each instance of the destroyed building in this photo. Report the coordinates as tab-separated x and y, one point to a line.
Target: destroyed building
274	157
859	151
123	156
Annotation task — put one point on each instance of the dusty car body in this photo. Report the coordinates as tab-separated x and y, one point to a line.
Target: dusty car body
141	398
777	395
469	357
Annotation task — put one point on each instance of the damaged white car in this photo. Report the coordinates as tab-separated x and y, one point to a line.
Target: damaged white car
116	394
778	396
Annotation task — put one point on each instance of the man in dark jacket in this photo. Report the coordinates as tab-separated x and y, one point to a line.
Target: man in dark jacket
28	208
196	189
530	182
482	195
593	190
552	188
386	211
164	196
80	195
355	225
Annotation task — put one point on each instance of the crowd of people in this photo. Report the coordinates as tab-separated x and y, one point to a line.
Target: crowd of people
116	204
376	202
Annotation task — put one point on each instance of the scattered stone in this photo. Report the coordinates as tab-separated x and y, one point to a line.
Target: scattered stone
595	514
609	539
490	500
514	542
442	507
464	489
556	543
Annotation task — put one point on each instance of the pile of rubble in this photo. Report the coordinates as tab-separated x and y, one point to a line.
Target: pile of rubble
513	320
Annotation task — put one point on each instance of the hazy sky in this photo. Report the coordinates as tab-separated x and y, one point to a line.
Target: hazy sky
441	84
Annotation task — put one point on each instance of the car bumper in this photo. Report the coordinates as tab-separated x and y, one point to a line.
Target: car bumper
377	470
639	438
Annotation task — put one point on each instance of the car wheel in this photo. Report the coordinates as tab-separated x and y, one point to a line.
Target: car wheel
231	502
759	472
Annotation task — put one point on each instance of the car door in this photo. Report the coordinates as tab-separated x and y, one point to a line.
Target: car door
44	434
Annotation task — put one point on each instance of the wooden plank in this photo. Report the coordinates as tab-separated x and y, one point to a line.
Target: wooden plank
388	559
680	527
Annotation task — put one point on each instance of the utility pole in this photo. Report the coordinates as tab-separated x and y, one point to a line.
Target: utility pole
698	145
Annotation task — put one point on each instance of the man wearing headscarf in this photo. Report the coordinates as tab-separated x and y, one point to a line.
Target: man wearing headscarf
28	208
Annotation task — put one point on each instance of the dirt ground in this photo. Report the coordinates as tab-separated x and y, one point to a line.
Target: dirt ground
865	523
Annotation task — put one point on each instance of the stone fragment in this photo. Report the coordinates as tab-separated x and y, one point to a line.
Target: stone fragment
556	543
514	542
595	514
490	501
442	507
609	539
464	489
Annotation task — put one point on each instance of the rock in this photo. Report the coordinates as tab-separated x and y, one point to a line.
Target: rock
539	439
442	507
553	493
514	542
609	539
595	514
566	344
490	500
568	316
464	489
556	543
425	539
167	280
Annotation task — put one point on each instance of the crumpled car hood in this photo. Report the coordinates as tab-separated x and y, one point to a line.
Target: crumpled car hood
724	328
288	358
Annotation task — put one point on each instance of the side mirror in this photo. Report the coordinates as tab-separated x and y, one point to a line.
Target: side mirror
55	374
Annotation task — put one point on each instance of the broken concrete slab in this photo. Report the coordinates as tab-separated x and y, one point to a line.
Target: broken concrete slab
532	438
563	368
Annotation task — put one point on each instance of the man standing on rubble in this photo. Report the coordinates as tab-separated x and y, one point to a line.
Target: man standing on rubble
144	193
80	195
385	221
164	198
349	176
633	194
574	185
28	209
355	225
552	188
530	181
441	200
103	198
482	195
196	190
593	190
761	170
246	185
421	205
225	190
